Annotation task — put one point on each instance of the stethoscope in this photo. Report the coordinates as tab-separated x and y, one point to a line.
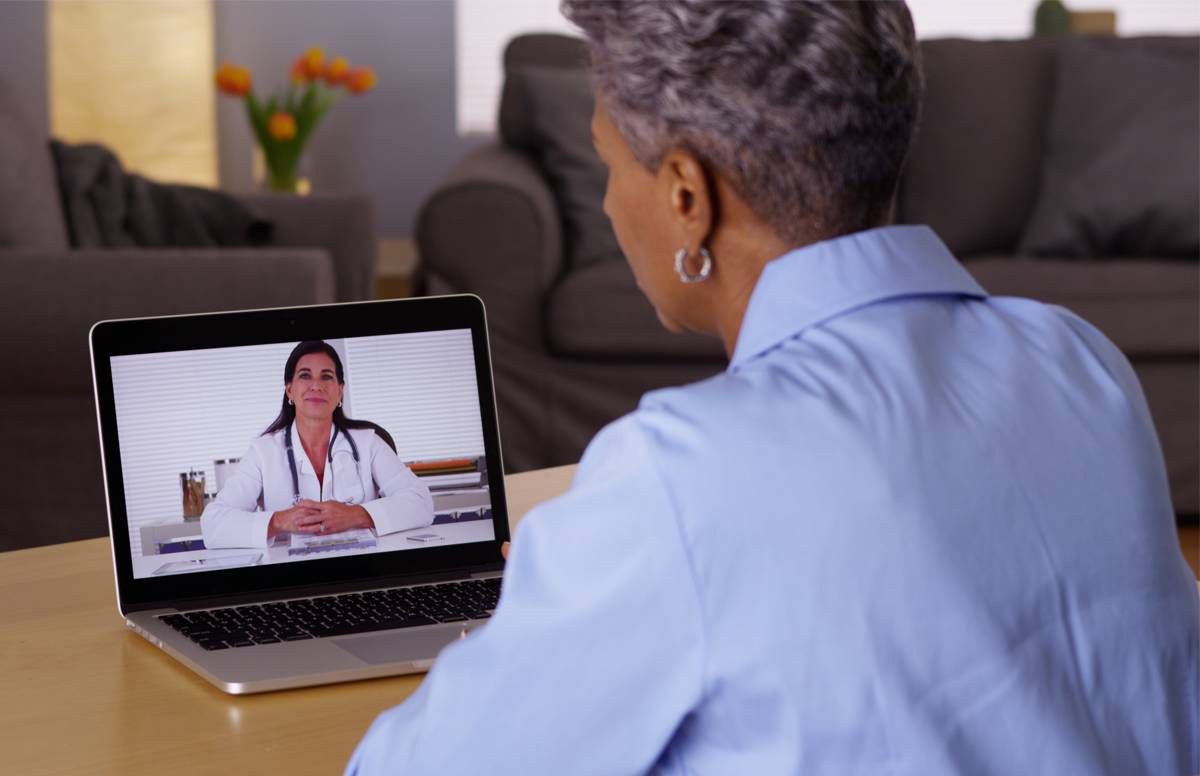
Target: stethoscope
287	440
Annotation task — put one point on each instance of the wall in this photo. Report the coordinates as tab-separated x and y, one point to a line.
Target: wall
23	57
396	142
1014	18
485	26
151	99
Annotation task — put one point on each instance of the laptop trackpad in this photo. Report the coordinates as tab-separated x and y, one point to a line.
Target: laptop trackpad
399	646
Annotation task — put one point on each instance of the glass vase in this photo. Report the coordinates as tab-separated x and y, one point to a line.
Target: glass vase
282	175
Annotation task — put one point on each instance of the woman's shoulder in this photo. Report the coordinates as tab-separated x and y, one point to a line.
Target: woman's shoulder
268	442
367	437
370	433
362	435
711	419
706	401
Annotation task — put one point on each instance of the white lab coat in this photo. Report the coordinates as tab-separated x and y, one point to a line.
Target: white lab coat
262	485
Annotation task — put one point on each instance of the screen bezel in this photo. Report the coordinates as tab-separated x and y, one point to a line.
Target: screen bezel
292	324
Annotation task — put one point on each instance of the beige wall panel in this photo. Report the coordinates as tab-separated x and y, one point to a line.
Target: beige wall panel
137	76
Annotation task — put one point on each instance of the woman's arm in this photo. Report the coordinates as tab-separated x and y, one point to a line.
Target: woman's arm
600	576
233	519
405	501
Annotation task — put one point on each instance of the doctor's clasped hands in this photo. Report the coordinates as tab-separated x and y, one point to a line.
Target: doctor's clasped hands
319	517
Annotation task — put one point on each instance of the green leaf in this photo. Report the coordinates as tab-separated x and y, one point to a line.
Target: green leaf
258	120
308	102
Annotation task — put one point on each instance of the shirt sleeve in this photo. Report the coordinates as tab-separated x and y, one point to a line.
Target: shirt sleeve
233	519
594	655
405	501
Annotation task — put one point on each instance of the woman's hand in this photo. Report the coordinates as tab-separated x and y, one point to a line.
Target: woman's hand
504	548
294	520
326	517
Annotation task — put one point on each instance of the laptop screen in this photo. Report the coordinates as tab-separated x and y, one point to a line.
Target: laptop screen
362	445
207	475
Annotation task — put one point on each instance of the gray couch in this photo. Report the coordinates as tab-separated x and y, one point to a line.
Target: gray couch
50	295
1030	163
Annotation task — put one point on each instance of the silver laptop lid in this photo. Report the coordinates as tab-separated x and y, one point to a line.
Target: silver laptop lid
194	414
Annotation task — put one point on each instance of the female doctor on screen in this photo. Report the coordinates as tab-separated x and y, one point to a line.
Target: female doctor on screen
314	470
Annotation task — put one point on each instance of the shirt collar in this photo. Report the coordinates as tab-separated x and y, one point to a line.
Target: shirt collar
302	462
821	281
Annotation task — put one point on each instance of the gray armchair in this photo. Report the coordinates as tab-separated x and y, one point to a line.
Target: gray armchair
575	344
50	296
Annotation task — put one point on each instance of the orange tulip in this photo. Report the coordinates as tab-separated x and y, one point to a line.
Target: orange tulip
299	72
337	71
361	79
282	126
233	80
314	62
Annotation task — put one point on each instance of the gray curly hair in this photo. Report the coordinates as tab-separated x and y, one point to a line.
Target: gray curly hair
806	108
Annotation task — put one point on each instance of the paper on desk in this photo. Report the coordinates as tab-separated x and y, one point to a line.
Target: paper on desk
356	538
208	564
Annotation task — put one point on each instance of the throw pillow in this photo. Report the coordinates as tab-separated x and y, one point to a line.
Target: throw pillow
1121	173
548	112
30	212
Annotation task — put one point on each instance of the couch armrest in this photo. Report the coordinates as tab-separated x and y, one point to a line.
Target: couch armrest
342	224
493	228
52	299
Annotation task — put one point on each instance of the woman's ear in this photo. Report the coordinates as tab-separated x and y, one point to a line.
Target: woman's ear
692	197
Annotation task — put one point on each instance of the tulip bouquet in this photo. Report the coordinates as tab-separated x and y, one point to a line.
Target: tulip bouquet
285	121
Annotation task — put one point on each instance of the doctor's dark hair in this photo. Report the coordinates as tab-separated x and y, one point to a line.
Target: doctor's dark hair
807	109
288	413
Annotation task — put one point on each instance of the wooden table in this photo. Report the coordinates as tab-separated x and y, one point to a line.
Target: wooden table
1189	540
82	694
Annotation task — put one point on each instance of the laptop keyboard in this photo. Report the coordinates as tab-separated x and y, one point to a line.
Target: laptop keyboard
338	615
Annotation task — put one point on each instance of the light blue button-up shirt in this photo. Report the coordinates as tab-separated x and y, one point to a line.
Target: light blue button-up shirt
912	529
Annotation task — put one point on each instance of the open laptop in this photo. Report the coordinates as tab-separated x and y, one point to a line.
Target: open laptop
180	403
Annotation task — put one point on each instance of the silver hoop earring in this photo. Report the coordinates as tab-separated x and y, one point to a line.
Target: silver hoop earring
290	402
705	268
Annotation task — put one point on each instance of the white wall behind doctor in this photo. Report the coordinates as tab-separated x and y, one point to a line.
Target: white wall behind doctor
183	410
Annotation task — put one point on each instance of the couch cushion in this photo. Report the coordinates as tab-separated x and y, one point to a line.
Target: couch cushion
50	449
1148	307
1123	153
30	213
547	111
598	311
974	167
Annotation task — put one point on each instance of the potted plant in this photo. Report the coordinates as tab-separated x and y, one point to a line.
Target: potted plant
283	123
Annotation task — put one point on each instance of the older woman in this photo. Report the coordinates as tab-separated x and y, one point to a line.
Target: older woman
912	529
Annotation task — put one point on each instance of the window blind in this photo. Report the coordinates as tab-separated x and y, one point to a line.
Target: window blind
422	389
482	29
181	411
